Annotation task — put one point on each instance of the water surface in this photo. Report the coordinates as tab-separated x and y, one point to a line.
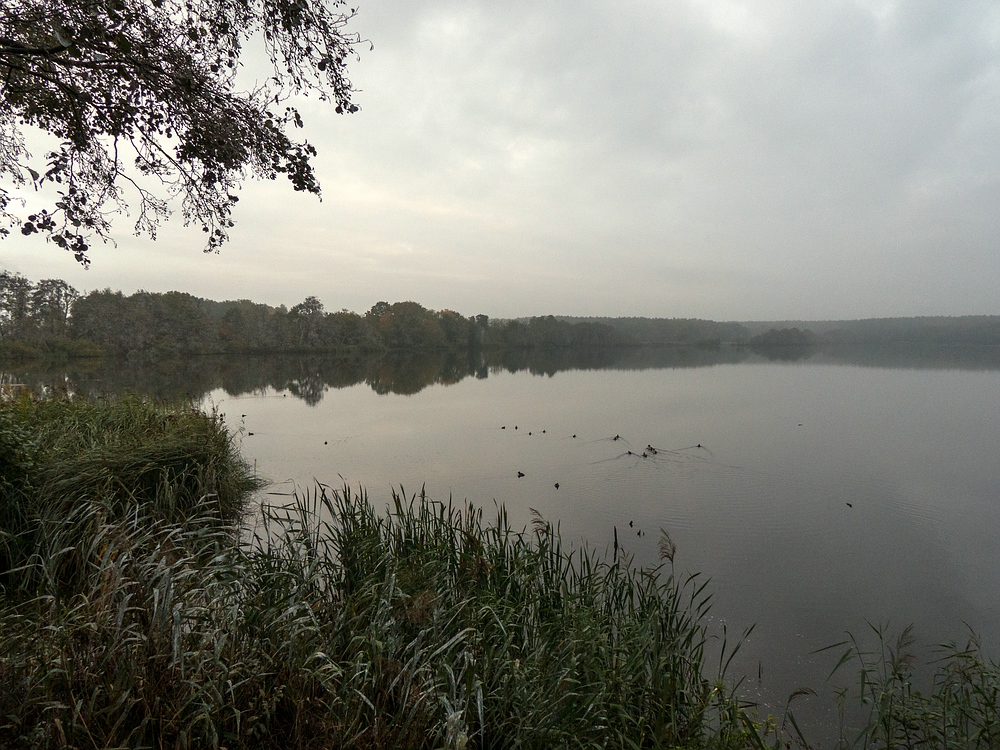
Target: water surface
817	494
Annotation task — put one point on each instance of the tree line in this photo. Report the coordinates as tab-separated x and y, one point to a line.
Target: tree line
52	317
672	331
966	330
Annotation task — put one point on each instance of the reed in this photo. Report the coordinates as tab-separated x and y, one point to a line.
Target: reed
72	468
957	709
337	626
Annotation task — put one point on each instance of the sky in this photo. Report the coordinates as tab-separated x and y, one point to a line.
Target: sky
719	159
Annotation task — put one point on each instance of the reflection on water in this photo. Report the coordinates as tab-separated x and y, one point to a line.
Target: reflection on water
310	377
850	485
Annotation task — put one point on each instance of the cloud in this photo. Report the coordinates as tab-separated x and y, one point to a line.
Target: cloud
716	158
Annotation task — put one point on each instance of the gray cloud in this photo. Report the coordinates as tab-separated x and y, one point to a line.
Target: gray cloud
710	158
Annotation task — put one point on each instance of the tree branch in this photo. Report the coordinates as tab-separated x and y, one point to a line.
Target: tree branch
10	47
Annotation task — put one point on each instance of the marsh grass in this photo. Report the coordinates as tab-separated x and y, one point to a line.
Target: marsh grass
479	634
71	470
955	707
339	626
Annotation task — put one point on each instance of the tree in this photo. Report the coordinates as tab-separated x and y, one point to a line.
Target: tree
51	303
15	303
107	319
153	82
409	326
246	326
307	320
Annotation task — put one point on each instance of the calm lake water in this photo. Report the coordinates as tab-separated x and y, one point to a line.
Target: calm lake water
827	492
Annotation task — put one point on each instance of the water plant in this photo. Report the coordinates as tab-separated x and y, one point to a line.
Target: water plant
334	625
70	468
957	709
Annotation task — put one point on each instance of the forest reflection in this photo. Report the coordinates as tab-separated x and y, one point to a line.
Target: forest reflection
309	377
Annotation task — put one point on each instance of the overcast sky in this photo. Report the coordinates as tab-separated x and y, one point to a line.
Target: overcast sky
767	159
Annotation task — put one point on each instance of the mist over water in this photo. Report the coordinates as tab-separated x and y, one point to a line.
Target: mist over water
817	494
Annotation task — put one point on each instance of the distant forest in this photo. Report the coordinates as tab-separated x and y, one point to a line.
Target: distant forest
51	318
975	330
670	331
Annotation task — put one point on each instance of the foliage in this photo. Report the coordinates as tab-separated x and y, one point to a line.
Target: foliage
785	345
973	330
29	312
133	614
178	323
51	317
960	711
938	330
549	332
68	463
671	330
154	82
784	337
170	323
342	627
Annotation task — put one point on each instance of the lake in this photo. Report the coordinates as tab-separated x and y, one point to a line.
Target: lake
817	490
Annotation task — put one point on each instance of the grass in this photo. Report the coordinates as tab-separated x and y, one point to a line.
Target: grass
138	610
71	469
340	627
959	709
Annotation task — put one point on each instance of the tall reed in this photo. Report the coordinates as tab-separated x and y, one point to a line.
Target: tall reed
71	468
958	709
337	626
